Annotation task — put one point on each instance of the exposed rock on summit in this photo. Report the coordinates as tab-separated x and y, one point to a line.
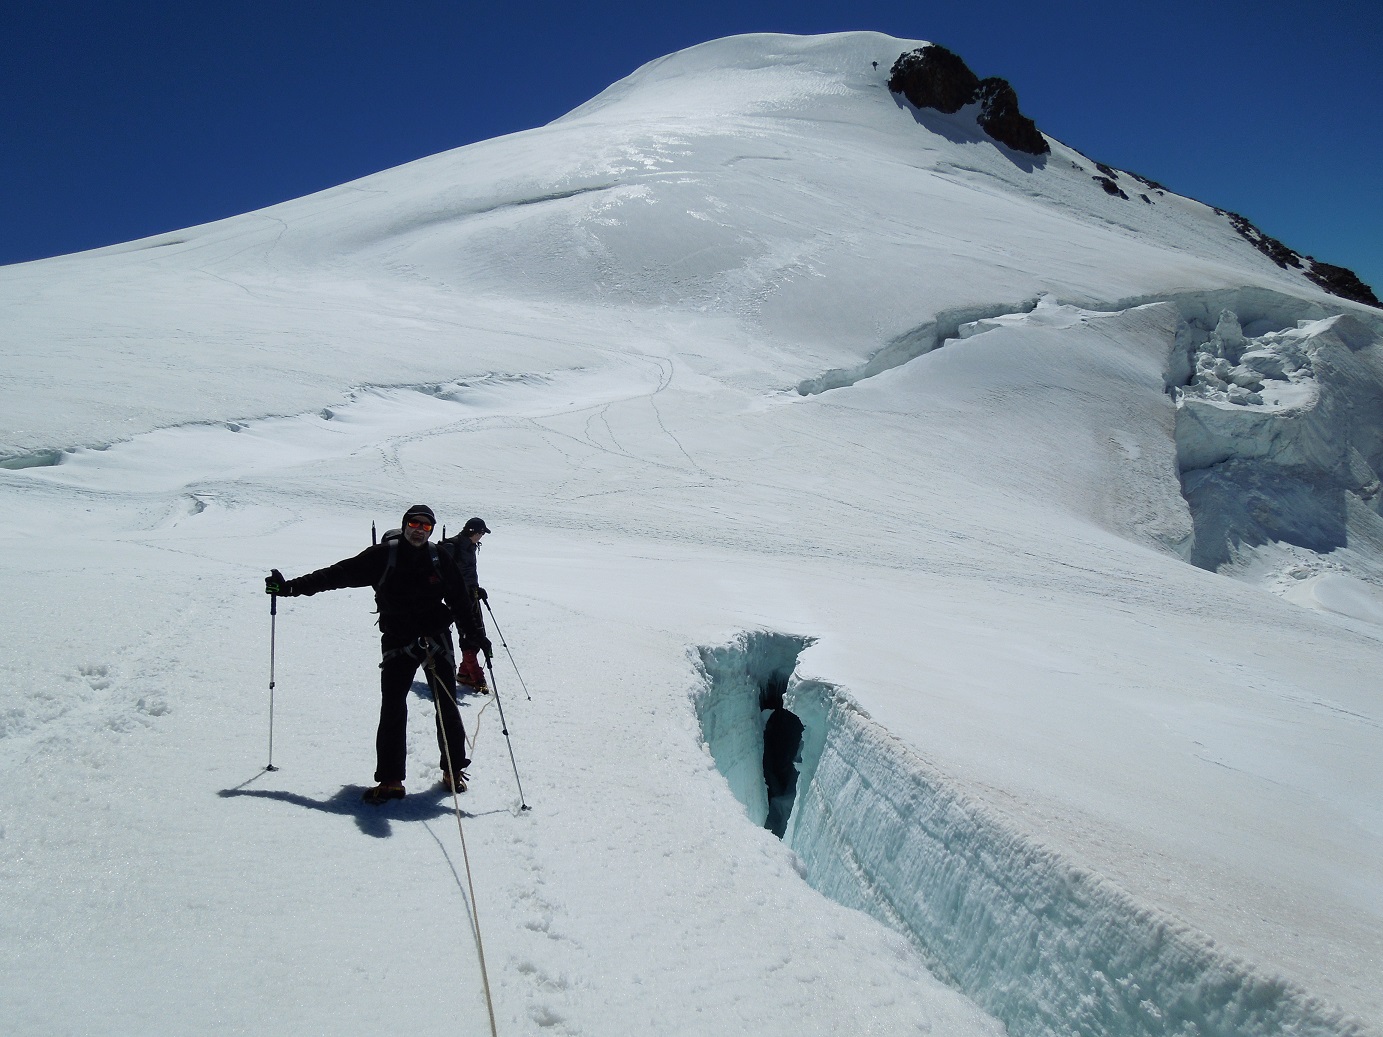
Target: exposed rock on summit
1000	118
934	77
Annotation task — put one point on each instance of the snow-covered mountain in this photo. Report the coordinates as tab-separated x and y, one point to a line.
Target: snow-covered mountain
1058	504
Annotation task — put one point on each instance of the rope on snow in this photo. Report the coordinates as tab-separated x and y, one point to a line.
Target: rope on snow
465	856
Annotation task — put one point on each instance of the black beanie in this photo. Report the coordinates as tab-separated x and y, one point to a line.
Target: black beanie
421	511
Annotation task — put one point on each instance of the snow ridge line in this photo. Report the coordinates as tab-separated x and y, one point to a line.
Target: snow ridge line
1047	947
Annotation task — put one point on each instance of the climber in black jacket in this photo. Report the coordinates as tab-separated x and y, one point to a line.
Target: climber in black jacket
419	592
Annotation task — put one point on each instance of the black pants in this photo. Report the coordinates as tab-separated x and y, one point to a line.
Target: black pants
402	657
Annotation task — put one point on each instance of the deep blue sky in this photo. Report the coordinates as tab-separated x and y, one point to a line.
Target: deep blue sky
119	120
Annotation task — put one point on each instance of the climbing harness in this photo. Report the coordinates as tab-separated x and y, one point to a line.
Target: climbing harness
421	650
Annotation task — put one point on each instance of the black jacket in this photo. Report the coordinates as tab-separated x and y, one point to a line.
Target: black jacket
421	593
462	553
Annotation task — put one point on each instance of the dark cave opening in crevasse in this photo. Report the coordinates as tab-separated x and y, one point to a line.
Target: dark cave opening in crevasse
750	720
782	752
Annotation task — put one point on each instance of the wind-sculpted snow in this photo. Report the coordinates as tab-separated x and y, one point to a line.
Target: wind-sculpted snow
1047	946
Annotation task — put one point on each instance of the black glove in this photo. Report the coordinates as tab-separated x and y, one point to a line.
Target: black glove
480	594
485	647
274	583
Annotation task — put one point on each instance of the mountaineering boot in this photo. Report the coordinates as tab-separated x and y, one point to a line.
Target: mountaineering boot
454	783
470	683
470	674
385	790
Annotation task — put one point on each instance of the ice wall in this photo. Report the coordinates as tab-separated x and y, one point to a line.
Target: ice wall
1047	947
1279	426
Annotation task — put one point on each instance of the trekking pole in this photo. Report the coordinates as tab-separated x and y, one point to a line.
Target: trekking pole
486	603
504	726
273	632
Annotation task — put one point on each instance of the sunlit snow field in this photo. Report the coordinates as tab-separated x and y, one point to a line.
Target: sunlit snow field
751	368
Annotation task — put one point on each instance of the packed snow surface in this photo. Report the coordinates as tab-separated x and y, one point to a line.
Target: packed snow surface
1058	510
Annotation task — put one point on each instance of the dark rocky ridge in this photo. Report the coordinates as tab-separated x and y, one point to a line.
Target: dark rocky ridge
937	78
1000	118
1336	280
934	77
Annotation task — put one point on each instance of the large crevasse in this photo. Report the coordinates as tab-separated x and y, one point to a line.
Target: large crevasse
1279	415
1045	946
1279	427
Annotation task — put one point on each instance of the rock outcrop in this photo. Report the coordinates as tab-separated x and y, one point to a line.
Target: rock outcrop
934	77
1000	118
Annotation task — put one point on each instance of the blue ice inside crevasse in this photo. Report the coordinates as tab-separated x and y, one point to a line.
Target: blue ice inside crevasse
1048	947
733	714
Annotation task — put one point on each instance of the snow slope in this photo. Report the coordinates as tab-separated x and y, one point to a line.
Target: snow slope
750	366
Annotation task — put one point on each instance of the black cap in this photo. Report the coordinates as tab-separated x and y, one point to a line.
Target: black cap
474	525
420	510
